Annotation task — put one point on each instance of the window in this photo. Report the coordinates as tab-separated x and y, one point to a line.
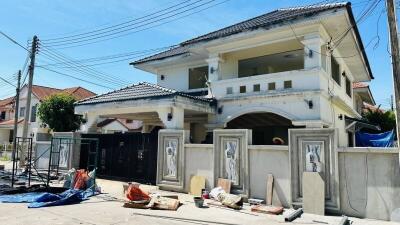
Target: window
33	113
198	77
229	90
22	112
335	70
242	89
129	121
287	84
256	88
280	62
3	115
271	86
348	87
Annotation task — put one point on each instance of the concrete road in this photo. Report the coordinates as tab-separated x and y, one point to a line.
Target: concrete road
107	209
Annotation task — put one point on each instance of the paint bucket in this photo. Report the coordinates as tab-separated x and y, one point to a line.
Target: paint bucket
198	201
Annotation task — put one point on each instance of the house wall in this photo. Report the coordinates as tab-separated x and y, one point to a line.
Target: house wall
4	136
32	126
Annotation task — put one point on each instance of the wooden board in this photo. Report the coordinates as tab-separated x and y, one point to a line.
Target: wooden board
267	209
270	188
197	183
225	184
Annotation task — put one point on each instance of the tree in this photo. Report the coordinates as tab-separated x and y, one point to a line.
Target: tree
57	111
385	119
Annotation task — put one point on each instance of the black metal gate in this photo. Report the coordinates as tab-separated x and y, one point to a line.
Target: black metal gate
125	156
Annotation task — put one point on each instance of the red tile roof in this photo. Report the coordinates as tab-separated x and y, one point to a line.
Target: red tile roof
10	122
360	85
6	101
42	92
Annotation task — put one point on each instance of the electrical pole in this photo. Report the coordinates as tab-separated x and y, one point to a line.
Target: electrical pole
16	107
29	94
394	47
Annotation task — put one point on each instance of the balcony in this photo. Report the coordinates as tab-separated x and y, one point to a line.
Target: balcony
295	80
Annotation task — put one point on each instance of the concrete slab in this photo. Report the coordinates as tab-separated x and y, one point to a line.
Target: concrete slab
313	193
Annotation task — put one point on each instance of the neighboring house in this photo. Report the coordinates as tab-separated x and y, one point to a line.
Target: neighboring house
269	74
39	93
362	97
112	125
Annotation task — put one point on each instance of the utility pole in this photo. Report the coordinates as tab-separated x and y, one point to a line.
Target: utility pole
16	107
29	94
391	103
394	47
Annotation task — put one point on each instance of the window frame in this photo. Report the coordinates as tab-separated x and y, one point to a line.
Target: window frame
336	77
197	67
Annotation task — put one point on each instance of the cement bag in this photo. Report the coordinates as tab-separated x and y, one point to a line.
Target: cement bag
231	201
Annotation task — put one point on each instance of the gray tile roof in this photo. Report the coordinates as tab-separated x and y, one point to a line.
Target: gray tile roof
264	21
142	90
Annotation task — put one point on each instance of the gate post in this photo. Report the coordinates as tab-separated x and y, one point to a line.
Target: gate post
171	160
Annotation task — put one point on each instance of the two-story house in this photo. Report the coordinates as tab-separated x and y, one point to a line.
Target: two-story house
289	68
39	93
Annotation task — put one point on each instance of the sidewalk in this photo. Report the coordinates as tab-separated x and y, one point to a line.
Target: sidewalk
107	209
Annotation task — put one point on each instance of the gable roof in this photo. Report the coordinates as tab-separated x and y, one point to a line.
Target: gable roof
134	125
142	90
6	101
263	21
42	92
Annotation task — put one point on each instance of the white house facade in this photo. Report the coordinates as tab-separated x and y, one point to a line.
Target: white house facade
277	71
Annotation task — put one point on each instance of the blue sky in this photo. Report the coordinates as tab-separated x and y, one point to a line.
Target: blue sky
48	19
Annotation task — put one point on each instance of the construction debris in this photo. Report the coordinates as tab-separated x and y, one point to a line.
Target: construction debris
294	215
275	210
197	184
344	221
225	184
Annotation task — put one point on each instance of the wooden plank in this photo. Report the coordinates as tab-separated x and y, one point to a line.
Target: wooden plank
225	184
197	183
270	188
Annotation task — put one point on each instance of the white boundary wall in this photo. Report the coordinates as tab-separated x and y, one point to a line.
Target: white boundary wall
369	177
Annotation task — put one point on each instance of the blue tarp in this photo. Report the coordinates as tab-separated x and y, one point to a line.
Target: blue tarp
385	139
44	199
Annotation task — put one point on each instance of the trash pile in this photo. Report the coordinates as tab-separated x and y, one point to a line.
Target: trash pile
79	185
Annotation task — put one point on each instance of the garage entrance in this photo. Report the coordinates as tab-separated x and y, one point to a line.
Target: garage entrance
125	156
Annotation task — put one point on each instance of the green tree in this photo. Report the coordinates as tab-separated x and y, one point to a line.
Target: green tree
385	119
57	111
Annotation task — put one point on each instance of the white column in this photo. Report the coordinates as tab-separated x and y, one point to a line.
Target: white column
312	59
91	123
172	117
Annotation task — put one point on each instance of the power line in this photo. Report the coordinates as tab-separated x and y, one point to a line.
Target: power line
113	27
115	34
60	58
14	41
71	76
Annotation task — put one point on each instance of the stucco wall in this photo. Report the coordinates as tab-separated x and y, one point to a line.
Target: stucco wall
268	159
199	161
369	182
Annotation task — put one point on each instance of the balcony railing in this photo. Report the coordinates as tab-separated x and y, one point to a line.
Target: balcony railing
267	83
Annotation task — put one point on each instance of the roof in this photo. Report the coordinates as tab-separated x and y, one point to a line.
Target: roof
79	92
142	90
42	92
363	90
134	125
6	101
264	21
10	122
360	85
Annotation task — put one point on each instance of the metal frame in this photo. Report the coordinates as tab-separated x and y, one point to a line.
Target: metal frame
15	157
70	141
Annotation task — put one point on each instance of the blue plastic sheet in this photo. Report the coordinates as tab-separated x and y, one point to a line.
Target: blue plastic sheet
384	140
44	199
